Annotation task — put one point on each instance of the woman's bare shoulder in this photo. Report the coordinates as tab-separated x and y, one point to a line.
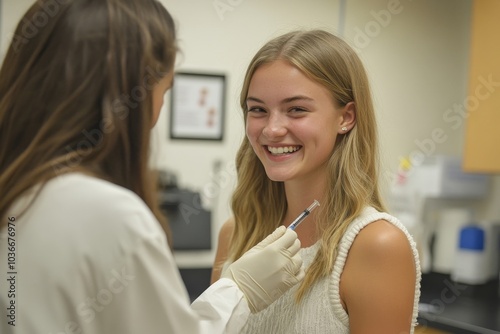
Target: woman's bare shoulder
378	280
226	229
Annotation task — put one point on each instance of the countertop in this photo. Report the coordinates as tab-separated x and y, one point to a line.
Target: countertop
459	308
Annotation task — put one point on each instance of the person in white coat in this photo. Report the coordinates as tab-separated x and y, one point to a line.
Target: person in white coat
84	247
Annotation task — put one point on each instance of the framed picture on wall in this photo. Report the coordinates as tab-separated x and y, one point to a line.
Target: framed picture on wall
197	106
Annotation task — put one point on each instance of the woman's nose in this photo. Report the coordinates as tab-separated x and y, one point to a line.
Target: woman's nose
275	126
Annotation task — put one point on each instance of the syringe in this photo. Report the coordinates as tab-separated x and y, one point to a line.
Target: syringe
303	215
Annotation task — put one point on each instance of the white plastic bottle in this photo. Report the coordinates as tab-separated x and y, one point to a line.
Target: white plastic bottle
470	265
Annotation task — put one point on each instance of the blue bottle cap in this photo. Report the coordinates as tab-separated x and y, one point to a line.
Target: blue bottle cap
472	238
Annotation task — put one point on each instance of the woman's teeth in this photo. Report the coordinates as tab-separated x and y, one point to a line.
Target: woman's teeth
282	150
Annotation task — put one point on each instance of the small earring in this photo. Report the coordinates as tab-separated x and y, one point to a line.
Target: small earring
344	129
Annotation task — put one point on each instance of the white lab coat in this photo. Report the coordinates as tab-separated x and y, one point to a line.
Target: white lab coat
90	257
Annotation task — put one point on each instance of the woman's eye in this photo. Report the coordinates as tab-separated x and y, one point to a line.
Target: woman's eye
256	109
297	109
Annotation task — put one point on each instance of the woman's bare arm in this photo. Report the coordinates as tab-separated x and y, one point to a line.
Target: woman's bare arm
221	255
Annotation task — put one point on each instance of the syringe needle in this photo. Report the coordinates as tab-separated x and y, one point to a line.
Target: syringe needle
303	215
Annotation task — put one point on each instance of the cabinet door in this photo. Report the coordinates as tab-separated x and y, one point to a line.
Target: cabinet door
428	330
482	138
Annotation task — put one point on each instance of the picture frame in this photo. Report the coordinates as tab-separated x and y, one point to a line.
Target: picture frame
197	104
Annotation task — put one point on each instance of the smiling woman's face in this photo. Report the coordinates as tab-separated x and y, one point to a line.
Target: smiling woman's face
292	122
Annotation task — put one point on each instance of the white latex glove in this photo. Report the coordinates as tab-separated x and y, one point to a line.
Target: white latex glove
269	269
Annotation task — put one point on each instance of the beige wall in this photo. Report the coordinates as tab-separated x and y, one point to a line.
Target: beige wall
11	12
417	59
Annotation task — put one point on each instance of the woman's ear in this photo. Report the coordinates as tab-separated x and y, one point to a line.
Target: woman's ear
348	117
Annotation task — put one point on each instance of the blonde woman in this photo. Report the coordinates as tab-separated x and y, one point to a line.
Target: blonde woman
311	134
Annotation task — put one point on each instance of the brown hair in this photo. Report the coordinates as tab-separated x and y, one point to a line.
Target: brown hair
76	94
352	181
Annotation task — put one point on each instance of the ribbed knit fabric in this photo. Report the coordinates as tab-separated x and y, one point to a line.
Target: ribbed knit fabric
321	311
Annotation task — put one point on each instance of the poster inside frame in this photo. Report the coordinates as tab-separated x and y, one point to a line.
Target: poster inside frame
197	106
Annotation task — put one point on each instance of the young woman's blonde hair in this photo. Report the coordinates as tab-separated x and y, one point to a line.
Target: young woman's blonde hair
76	94
259	204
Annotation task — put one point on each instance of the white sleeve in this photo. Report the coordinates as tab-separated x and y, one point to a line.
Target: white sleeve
213	304
155	299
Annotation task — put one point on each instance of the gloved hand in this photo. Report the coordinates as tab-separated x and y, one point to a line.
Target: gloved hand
269	269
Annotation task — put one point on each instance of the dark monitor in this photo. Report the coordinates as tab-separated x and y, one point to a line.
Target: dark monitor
190	224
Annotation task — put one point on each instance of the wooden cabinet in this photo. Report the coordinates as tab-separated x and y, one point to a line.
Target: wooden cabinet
482	105
428	330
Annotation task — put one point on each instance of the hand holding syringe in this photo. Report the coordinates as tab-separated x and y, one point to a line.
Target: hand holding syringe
303	215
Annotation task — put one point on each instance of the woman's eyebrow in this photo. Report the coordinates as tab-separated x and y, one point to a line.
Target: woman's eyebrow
254	99
296	98
286	100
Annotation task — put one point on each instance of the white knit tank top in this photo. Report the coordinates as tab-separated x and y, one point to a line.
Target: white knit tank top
321	311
